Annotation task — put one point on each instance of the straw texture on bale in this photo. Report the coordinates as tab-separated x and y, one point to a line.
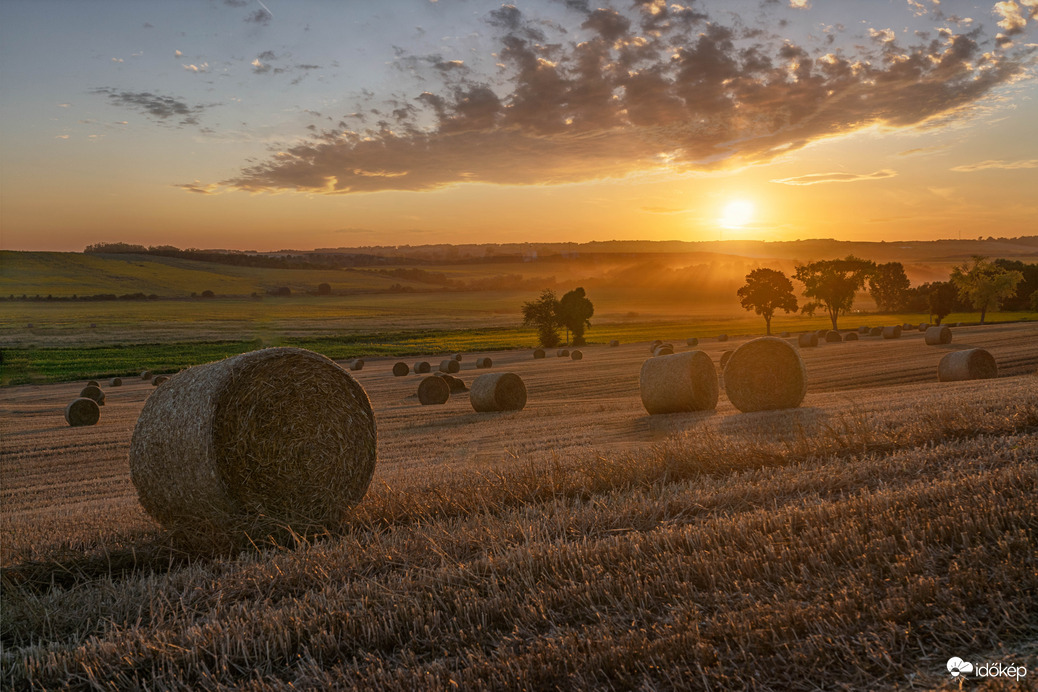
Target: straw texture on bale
765	374
538	353
146	374
893	332
422	367
938	335
576	355
722	337
115	382
876	331
613	343
400	369
433	390
356	364
562	353
833	337
692	341
449	365
82	411
807	340
500	391
724	358
94	392
281	434
680	382
483	363
159	379
851	336
971	364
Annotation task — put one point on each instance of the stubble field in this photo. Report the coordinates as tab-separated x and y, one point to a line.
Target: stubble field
856	542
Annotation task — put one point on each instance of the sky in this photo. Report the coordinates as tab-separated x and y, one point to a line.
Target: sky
266	125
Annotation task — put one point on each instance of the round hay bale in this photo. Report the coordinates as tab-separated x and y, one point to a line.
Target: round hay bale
538	353
93	326
807	340
958	324
282	434
725	358
821	334
115	382
893	332
562	353
400	369
576	355
655	344
92	383
876	331
450	365
499	391
851	336
722	337
356	364
159	379
833	337
82	411
455	384
92	391
693	341
146	374
785	335
664	350
483	363
613	343
863	330
923	326
938	335
971	364
905	327
765	374
422	367
456	356
680	382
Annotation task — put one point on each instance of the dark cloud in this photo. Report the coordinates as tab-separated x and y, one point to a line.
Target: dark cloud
236	3
260	16
165	109
635	90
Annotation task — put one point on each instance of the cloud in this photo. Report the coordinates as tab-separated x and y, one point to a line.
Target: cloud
177	54
800	4
1014	15
201	188
261	16
163	109
654	87
204	67
819	178
1004	165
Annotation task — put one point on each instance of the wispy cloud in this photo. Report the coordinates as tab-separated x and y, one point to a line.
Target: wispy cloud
1004	165
820	178
204	67
165	109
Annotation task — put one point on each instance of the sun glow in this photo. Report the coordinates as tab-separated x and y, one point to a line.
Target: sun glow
737	213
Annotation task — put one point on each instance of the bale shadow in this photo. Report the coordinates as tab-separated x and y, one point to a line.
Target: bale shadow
778	425
662	425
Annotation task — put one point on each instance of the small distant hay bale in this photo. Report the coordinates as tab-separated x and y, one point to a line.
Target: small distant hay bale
833	337
785	335
159	379
923	326
146	374
821	334
422	367
82	411
499	391
655	344
663	350
457	357
484	363
906	327
765	374
722	337
356	364
281	435
971	364
693	341
958	324
576	355
935	336
92	383
455	384
807	340
678	383
851	336
29	326
613	343
449	365
538	353
93	326
725	357
876	331
400	369
92	391
562	353
115	382
863	329
892	332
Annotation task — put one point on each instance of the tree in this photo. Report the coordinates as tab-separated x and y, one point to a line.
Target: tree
941	300
888	286
766	291
543	313
575	311
983	284
1026	288
833	283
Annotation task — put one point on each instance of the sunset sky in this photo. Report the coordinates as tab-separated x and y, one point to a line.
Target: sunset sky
241	124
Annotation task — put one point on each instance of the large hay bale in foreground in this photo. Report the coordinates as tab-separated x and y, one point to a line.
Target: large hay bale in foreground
807	340
400	369
82	411
282	434
499	391
833	337
450	365
765	374
92	391
935	336
538	353
422	367
433	390
484	363
893	332
971	364
679	382
576	355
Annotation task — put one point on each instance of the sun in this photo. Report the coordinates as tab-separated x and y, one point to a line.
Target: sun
737	213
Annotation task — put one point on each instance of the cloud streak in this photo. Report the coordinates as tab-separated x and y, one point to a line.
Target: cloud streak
821	178
164	109
996	164
656	87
